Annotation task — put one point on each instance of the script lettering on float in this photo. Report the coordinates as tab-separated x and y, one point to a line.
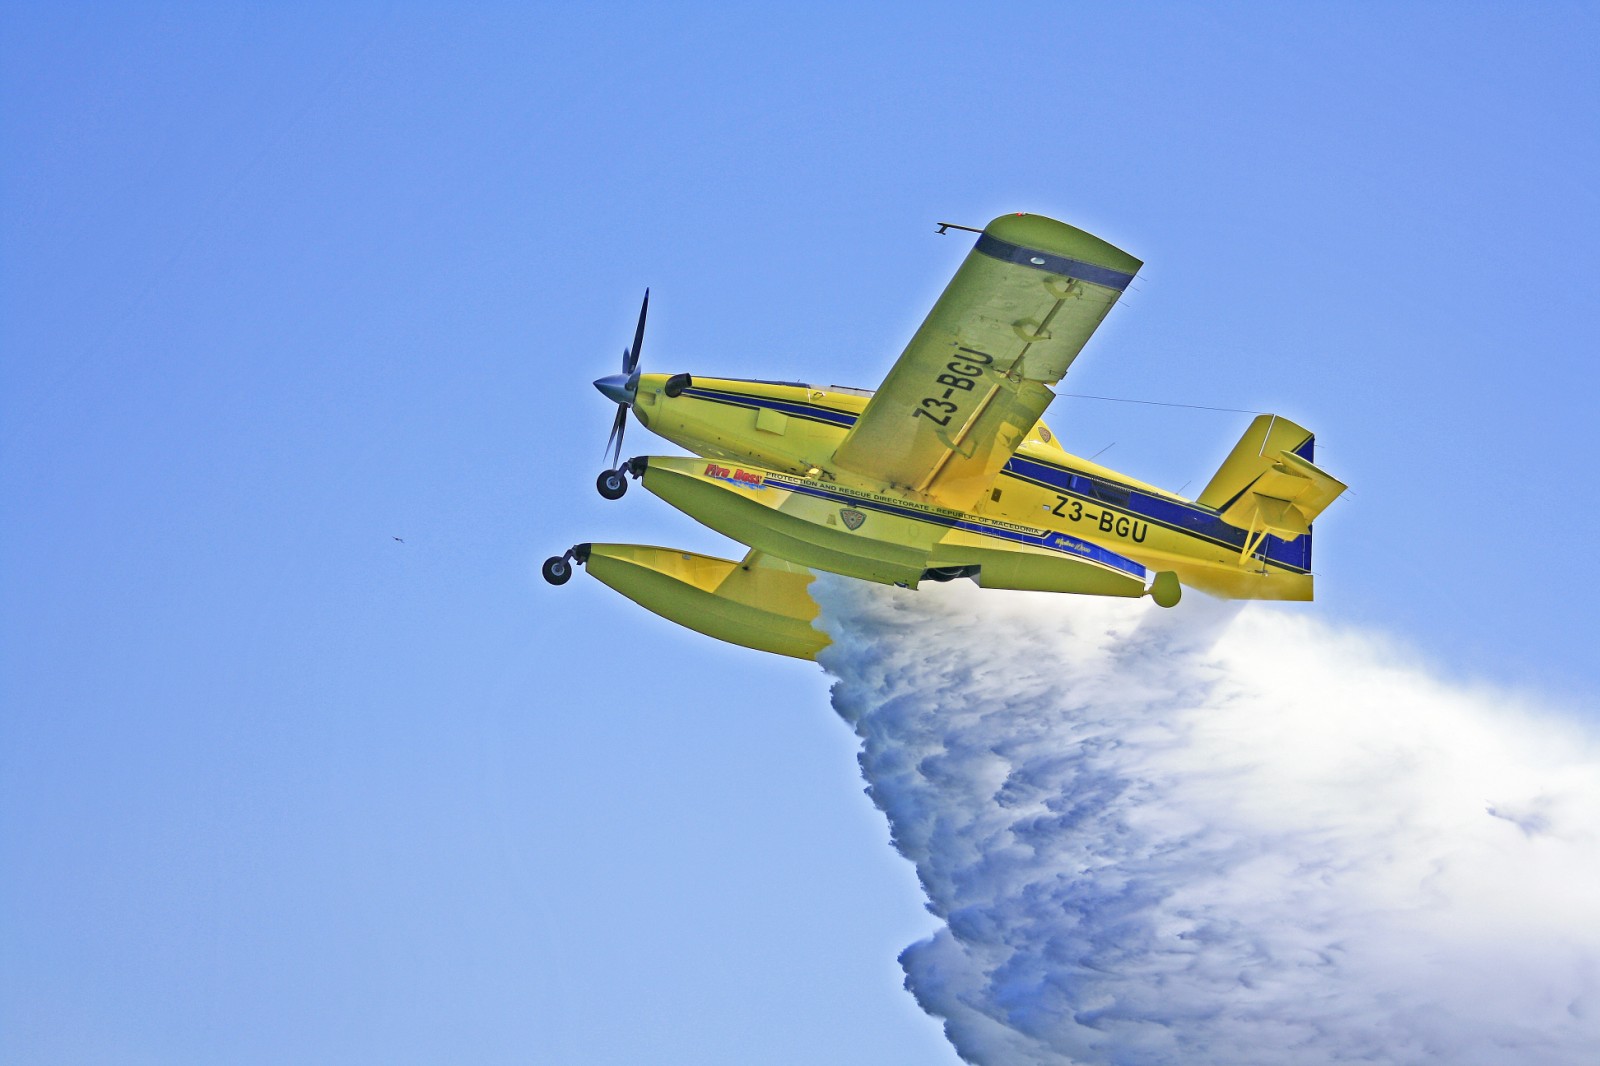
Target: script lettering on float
736	476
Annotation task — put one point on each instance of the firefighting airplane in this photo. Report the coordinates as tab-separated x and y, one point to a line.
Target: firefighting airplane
945	471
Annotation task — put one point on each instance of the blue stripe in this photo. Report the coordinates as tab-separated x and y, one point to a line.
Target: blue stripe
1057	542
798	410
995	248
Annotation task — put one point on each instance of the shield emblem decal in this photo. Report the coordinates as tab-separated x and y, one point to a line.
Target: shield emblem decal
852	518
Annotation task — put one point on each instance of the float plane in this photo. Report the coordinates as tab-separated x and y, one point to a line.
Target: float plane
945	471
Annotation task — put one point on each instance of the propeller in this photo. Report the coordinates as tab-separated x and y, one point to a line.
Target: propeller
623	387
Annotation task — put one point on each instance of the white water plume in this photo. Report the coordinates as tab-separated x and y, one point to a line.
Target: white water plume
1212	835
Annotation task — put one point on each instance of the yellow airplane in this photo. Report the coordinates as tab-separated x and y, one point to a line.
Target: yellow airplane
945	472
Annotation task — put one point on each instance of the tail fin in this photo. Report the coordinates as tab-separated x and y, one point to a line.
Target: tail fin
1269	483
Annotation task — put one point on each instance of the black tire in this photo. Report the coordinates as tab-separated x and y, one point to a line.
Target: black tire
557	571
611	484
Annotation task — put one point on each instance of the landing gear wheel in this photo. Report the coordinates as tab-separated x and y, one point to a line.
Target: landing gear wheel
611	484
557	570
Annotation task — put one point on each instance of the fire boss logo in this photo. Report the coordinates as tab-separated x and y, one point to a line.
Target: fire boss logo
743	478
851	518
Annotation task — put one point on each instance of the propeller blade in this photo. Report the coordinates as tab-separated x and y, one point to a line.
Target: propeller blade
631	359
618	424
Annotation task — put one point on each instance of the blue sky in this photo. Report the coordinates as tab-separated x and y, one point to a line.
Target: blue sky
279	285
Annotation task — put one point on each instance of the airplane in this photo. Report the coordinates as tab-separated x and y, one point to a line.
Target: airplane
946	471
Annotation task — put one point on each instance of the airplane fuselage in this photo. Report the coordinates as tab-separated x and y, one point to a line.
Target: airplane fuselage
945	471
782	436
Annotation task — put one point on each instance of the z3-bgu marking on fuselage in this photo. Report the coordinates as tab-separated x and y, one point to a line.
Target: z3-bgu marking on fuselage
1106	521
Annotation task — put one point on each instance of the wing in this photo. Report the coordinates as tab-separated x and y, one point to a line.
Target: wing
976	376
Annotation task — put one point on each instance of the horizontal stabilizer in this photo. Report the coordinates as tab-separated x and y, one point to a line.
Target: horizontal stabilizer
1269	483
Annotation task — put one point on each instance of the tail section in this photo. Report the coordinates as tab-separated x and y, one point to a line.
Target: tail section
1269	483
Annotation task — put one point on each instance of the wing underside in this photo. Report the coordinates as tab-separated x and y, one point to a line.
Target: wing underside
977	374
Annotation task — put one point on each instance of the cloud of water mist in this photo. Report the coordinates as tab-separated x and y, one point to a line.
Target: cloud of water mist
1212	835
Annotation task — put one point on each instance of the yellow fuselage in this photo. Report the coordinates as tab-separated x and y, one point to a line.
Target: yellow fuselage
771	484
